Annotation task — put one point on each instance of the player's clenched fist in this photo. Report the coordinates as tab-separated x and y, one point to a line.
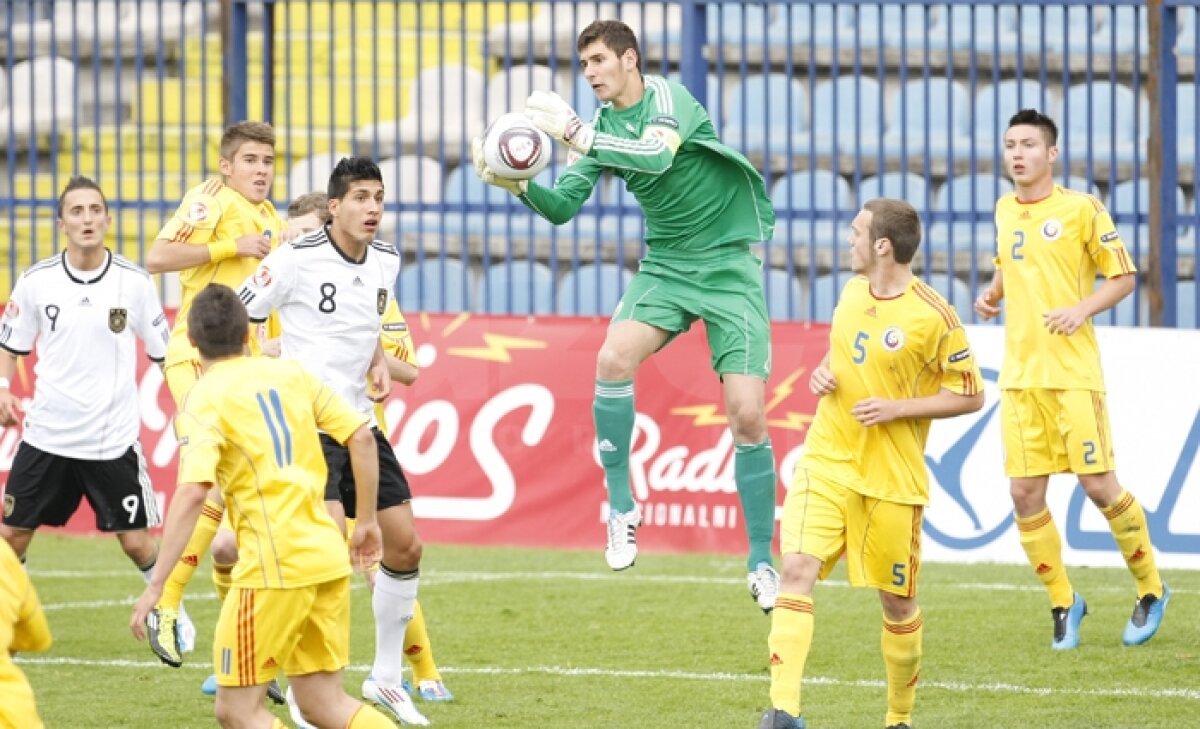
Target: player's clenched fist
554	116
822	382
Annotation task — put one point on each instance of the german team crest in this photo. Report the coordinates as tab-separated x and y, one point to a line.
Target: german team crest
117	319
381	300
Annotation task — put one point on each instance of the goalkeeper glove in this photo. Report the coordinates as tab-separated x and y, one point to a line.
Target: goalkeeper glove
555	117
516	187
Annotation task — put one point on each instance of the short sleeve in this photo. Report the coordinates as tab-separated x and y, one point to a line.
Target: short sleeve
195	221
1106	248
20	321
395	336
200	441
960	371
154	332
270	284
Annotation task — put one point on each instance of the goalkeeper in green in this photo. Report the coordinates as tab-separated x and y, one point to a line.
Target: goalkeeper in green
705	205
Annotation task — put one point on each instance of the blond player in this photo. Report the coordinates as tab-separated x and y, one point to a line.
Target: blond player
898	357
23	627
218	234
1051	244
255	422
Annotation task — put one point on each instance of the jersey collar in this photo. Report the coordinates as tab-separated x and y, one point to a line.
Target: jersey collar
76	279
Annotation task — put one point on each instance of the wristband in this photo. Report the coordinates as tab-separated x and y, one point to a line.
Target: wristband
219	250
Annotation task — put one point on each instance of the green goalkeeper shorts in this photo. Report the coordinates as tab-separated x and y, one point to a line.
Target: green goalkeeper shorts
671	291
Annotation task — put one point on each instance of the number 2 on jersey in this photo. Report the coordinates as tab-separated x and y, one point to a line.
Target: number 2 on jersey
280	434
1018	244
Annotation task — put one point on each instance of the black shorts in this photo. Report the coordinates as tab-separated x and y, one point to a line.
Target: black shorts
45	490
393	486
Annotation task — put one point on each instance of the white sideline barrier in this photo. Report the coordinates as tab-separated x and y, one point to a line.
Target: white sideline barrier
1154	409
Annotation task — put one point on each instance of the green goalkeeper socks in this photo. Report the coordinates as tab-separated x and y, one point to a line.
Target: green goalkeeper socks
754	473
613	411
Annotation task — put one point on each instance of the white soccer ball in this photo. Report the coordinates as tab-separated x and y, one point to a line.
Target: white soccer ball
515	149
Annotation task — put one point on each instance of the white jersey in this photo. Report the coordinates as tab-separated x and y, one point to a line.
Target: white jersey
85	401
330	308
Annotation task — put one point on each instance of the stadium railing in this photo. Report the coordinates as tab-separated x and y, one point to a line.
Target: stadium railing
135	93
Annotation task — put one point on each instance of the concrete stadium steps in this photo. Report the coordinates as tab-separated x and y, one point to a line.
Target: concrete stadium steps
340	103
427	16
34	238
187	153
129	185
299	56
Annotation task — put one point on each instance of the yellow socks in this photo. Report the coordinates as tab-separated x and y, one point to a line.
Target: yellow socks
222	579
901	645
418	650
789	642
1127	521
198	544
1043	547
368	718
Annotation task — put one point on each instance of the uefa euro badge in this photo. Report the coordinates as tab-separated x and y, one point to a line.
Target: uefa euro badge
117	318
381	300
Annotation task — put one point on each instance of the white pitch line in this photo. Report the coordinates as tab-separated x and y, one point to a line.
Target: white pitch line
436	577
952	686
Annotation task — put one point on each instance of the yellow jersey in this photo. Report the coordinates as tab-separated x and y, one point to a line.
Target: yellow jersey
1049	253
250	425
215	212
907	346
397	341
23	627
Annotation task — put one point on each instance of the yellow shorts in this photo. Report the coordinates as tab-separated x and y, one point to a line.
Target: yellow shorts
1055	431
180	377
303	630
881	539
17	710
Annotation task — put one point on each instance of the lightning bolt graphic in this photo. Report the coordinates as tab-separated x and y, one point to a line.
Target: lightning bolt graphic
496	348
701	414
708	414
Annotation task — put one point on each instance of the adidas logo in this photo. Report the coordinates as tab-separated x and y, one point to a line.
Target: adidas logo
413	650
1025	215
775	660
1137	556
913	682
270	663
357	281
606	446
85	301
1043	568
873	312
191	560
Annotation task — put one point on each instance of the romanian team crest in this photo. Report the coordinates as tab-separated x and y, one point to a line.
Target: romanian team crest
197	212
12	311
117	319
1051	230
893	338
10	503
381	301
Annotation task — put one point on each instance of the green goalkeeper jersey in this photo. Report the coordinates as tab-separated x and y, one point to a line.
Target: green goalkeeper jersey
703	196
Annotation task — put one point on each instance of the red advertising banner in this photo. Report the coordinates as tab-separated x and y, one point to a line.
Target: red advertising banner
497	440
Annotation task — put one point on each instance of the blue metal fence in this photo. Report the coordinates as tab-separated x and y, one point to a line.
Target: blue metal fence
834	102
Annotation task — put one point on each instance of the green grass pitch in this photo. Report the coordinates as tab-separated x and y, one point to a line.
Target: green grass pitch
532	639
